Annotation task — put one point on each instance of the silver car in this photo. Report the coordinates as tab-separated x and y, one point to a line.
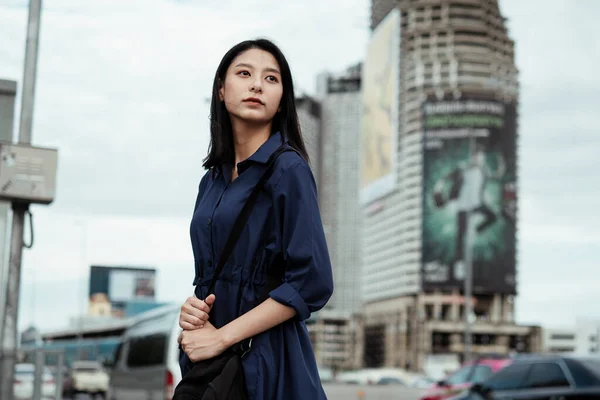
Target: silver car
146	363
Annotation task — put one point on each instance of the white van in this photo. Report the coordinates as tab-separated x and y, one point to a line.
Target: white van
146	363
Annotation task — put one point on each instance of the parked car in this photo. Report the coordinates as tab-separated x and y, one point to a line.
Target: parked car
147	360
87	377
470	373
541	378
24	381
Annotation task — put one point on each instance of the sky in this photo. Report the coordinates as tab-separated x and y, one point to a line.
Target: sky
122	92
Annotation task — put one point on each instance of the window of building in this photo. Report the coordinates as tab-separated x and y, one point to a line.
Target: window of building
446	312
465	16
471	33
468	43
562	336
462	6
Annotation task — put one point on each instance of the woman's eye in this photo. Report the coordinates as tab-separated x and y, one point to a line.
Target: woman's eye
271	78
245	73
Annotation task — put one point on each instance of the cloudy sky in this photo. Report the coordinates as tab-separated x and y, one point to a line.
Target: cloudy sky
122	89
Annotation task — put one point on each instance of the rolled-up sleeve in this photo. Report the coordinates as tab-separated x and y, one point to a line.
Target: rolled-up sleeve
308	280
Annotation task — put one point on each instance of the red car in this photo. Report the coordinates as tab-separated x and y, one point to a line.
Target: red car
469	374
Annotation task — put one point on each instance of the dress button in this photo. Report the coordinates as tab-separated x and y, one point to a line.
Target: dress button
209	221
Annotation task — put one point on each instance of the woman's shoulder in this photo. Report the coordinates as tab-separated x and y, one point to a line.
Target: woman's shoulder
290	158
291	165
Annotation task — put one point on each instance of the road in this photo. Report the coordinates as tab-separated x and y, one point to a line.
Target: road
354	392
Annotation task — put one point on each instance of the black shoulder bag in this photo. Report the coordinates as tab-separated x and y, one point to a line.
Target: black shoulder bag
222	377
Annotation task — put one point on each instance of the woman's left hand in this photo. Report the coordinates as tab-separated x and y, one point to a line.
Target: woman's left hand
202	344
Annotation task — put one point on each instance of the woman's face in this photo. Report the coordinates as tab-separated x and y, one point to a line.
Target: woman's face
252	89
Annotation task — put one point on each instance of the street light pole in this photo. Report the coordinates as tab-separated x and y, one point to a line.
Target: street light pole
10	326
82	295
468	292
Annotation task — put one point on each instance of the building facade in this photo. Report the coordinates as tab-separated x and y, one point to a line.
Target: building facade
438	192
587	336
583	339
559	341
330	124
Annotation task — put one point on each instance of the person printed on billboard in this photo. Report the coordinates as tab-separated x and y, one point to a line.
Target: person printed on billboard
467	187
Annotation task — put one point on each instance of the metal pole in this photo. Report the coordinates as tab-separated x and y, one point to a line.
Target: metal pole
39	368
468	252
30	71
10	327
81	290
9	344
60	364
8	91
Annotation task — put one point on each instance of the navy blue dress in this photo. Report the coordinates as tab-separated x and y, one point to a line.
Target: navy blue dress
284	237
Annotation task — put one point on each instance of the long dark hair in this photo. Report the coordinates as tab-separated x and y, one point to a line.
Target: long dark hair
221	149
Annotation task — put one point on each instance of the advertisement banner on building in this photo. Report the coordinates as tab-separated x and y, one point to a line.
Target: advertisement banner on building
380	113
111	288
469	193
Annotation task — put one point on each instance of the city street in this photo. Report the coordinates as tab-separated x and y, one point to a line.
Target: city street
352	392
389	392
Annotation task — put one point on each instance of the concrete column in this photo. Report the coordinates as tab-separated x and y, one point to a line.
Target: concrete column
508	312
455	308
496	309
390	343
502	340
437	310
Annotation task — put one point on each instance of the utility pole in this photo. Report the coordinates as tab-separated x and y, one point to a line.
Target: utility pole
9	326
8	92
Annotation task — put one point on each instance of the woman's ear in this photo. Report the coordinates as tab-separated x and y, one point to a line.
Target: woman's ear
221	91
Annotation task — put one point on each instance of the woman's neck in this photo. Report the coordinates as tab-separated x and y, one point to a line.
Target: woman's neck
247	139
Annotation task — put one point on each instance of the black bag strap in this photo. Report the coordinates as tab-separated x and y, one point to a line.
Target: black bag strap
242	218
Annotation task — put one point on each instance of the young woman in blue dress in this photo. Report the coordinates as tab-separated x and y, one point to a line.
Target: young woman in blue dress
253	114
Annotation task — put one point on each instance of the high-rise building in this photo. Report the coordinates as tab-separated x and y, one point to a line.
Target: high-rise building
333	149
438	182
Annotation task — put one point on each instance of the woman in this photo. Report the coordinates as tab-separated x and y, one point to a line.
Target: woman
253	113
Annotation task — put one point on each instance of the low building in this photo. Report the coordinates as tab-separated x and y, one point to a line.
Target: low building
559	340
404	332
582	339
337	339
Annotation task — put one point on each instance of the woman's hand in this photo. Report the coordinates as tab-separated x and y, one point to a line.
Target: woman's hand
194	312
202	344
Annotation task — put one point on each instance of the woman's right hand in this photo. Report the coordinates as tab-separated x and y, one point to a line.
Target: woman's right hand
194	312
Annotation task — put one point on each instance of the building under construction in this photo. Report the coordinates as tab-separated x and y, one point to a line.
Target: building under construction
438	183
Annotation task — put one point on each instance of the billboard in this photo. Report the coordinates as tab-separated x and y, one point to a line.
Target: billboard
112	288
380	114
469	193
